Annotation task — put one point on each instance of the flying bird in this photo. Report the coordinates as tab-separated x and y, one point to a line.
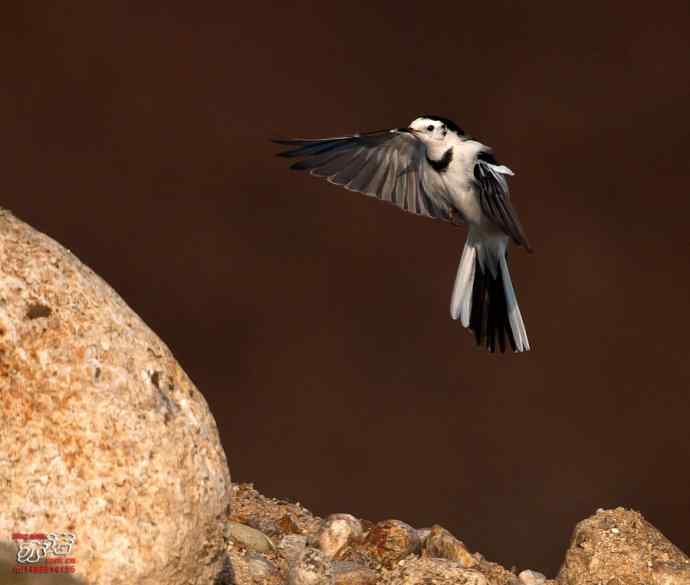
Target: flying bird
433	168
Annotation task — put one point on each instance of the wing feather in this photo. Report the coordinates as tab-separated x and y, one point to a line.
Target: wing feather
494	198
390	165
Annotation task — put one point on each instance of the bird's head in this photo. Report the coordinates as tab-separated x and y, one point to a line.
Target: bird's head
434	130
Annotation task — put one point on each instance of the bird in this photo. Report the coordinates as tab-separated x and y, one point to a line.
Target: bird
433	168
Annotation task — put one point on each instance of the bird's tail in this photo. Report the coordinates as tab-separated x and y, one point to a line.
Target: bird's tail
484	299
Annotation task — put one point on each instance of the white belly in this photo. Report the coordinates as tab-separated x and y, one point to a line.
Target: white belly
459	180
466	201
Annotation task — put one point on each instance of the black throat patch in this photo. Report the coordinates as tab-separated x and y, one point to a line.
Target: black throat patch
441	165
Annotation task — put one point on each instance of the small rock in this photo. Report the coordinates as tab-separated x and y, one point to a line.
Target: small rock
337	532
529	577
287	525
423	534
311	568
260	567
291	546
391	540
432	571
496	574
269	526
637	555
442	544
249	568
367	525
671	573
248	536
349	573
274	517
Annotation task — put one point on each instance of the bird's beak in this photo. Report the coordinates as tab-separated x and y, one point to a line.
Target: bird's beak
407	130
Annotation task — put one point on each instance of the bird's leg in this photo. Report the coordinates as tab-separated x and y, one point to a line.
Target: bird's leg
452	214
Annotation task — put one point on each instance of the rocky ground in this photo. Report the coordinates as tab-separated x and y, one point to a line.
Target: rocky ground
276	542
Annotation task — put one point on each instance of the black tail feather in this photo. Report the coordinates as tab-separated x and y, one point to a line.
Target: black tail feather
489	315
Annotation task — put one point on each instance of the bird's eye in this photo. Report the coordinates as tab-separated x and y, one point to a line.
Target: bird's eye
429	128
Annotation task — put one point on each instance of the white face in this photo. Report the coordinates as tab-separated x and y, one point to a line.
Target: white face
429	130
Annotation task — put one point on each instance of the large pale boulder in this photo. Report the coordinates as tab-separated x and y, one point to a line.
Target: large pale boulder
101	432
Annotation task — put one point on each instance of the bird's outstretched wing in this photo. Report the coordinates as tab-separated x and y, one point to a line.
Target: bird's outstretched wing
494	197
390	165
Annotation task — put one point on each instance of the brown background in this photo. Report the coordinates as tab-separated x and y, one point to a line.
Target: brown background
316	320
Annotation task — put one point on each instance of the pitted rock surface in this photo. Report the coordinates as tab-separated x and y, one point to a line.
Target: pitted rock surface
101	432
619	547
